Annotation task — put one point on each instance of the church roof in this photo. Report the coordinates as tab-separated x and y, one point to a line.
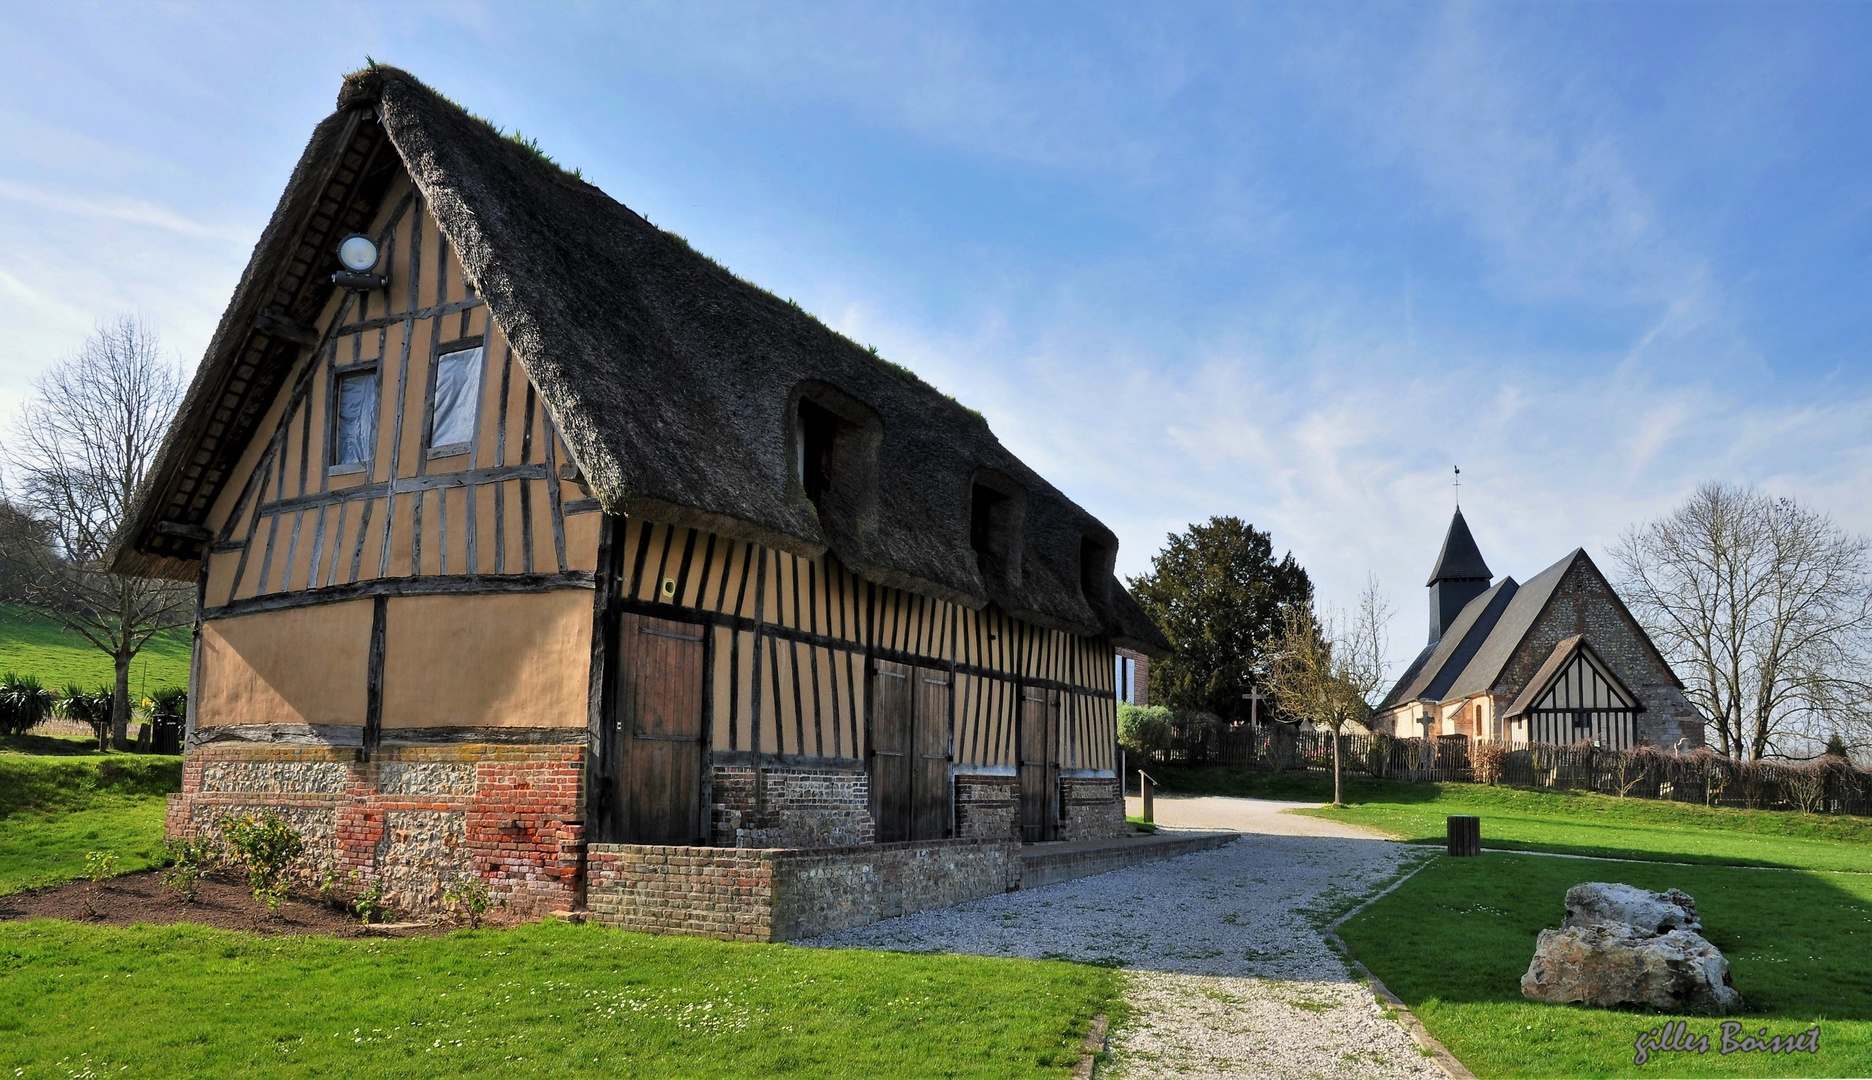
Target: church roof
1470	655
1442	660
669	377
1460	559
1561	656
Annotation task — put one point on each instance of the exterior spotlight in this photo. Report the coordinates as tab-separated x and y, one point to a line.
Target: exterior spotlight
358	254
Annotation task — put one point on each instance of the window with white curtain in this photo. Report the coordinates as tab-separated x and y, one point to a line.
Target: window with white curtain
457	393
354	419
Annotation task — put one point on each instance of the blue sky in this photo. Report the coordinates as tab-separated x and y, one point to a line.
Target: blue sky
1289	262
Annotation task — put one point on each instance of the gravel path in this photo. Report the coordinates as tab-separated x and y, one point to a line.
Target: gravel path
1228	976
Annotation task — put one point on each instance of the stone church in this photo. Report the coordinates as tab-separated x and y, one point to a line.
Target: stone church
1557	660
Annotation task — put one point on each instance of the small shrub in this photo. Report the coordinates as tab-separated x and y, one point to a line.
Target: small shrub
266	847
1490	762
100	865
1145	729
89	707
24	703
468	894
189	862
370	904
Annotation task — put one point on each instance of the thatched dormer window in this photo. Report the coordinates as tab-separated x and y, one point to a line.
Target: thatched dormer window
834	441
997	506
1096	558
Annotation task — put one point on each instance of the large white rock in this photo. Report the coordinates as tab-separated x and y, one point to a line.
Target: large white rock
1597	902
1609	964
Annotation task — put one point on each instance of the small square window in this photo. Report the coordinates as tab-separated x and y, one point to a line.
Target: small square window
354	418
457	393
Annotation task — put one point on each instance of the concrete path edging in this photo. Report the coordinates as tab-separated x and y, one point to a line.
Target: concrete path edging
1446	1061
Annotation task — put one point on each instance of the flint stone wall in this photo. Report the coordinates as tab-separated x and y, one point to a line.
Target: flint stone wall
796	807
416	818
1094	808
768	894
987	807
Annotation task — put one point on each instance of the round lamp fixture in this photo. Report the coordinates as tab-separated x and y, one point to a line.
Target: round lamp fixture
358	253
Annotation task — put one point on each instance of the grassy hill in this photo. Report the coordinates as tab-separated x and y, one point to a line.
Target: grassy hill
32	644
55	808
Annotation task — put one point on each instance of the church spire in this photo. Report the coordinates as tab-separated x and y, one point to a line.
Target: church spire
1460	559
1460	576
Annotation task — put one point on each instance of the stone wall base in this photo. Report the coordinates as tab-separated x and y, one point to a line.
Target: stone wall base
793	807
1094	809
413	819
987	807
755	894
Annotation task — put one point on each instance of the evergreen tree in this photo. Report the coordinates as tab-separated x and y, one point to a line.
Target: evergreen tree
1217	592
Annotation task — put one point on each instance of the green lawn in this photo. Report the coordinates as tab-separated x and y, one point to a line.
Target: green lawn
541	1000
1589	824
32	644
1454	941
544	999
56	809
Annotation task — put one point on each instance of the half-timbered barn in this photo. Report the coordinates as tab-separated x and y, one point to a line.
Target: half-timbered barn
1556	660
521	527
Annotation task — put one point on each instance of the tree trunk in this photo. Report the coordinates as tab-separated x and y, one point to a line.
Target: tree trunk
1336	801
120	703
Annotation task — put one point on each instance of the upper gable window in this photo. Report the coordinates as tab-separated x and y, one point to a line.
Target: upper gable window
354	419
457	396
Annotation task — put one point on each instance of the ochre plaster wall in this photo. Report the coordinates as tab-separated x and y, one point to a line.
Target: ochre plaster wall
494	660
300	666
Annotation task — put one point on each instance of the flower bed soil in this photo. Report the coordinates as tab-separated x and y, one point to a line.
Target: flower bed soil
222	902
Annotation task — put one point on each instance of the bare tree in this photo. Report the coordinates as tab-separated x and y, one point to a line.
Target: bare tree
1765	609
1329	670
77	453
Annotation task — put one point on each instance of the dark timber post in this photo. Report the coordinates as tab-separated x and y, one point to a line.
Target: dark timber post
1147	793
1465	835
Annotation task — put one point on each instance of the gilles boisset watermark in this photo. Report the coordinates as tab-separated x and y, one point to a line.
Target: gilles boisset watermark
1675	1038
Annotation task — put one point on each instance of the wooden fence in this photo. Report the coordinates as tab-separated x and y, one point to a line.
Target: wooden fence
1827	785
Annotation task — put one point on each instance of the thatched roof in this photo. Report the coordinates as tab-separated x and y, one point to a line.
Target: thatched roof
672	380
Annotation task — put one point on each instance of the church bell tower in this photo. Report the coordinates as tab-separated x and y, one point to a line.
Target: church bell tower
1460	576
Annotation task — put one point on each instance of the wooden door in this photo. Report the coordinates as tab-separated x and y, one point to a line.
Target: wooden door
1039	762
930	779
893	711
659	712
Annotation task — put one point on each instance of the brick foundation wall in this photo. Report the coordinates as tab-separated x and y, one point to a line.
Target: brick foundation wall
415	818
1094	809
987	807
798	807
754	894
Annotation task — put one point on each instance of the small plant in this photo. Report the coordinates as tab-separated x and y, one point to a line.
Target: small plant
331	887
370	904
266	846
189	862
99	865
468	894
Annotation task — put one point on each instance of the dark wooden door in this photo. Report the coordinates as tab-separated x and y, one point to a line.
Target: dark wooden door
930	782
1039	762
893	712
660	671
